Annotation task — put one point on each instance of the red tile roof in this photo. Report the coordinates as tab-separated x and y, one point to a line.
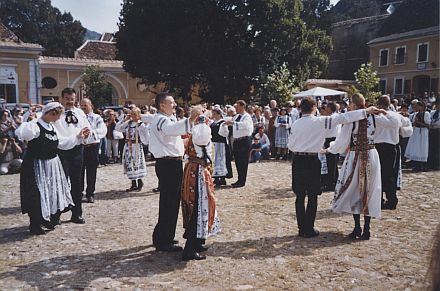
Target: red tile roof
7	35
95	49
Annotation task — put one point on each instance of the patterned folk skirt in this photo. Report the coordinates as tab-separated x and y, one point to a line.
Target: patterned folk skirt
134	163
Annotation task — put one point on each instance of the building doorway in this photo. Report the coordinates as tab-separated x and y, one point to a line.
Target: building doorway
421	84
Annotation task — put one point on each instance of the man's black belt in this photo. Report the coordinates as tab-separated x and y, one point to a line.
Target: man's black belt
170	158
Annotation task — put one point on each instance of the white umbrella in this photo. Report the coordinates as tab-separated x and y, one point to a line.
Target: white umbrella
319	91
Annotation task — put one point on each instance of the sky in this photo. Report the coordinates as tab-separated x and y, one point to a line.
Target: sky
98	15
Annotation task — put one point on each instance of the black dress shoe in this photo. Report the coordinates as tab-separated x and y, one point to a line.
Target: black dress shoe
90	199
55	221
170	249
192	256
175	241
201	249
238	185
155	190
36	230
78	220
365	235
48	224
311	233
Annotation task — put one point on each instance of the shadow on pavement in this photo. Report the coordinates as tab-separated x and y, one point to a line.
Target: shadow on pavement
269	247
9	210
277	193
78	271
327	213
122	194
14	234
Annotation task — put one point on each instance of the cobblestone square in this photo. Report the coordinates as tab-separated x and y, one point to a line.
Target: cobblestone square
258	248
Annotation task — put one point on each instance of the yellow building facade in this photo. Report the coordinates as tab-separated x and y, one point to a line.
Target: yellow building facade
407	62
19	68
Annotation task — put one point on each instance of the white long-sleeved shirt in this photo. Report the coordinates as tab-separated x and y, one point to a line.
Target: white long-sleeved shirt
308	133
406	130
28	131
343	139
165	135
131	129
98	129
65	130
388	134
243	125
333	132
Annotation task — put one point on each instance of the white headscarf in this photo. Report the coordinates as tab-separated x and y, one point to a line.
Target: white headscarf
51	105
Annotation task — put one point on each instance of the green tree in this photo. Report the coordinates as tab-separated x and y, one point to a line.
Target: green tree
279	85
368	80
316	13
96	87
37	21
226	46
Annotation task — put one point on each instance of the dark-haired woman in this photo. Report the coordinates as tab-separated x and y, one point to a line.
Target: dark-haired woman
222	153
44	187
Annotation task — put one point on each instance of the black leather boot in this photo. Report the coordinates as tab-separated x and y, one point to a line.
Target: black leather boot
133	186
140	185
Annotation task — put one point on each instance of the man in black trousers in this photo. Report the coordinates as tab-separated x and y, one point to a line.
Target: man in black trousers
167	147
72	122
98	130
242	129
306	140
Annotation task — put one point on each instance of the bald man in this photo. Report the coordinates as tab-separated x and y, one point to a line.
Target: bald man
98	130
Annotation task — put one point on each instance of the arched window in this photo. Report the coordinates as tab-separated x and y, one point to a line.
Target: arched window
49	83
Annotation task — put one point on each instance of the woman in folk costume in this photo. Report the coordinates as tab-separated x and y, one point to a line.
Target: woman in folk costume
133	159
44	188
282	124
222	153
358	190
418	144
198	202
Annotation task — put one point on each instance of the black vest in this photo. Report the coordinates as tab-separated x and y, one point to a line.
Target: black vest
45	146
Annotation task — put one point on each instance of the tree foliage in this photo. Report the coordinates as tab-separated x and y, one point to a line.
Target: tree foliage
368	80
316	14
96	86
279	85
37	21
226	46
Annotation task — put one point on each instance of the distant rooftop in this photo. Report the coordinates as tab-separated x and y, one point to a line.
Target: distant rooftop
9	40
97	49
435	30
360	20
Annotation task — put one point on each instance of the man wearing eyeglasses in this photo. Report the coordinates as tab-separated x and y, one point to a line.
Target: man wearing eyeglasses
72	122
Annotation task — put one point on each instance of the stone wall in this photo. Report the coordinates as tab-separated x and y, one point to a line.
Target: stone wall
350	48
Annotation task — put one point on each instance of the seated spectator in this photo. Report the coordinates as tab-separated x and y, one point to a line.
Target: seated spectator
265	143
255	152
10	151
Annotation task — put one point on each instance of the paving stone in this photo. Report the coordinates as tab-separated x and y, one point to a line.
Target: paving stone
259	247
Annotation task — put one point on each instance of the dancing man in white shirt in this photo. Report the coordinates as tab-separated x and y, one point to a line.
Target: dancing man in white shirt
242	128
71	123
167	147
306	140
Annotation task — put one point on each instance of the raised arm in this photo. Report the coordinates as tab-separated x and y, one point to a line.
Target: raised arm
28	130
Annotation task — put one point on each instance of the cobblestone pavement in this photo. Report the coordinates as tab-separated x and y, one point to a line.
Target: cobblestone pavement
258	247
